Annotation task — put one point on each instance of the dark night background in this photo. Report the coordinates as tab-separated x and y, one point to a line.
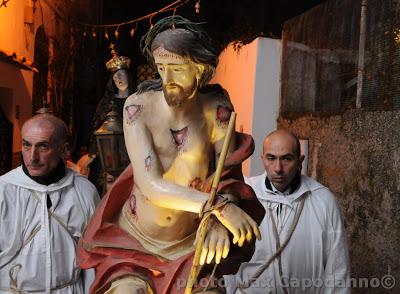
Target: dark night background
226	21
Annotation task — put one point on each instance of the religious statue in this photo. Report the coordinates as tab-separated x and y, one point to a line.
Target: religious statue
141	237
119	86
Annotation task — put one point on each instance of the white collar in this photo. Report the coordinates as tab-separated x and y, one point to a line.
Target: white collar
19	178
276	196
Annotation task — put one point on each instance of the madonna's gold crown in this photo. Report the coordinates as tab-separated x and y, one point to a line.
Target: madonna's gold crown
117	62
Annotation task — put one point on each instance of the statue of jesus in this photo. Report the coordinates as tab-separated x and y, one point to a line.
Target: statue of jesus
141	237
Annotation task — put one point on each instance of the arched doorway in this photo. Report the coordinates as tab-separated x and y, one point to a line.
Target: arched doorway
41	60
6	135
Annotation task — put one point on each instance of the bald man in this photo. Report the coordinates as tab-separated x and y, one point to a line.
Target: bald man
44	207
303	247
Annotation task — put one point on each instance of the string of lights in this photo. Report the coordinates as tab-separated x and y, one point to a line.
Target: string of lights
4	3
115	27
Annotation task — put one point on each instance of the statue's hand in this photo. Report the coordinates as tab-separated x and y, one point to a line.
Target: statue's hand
216	243
238	222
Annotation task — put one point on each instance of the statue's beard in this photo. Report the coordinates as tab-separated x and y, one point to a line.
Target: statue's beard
175	95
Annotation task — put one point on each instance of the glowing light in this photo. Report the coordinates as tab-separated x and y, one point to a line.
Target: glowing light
397	35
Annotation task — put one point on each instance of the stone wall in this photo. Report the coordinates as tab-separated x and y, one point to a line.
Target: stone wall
357	156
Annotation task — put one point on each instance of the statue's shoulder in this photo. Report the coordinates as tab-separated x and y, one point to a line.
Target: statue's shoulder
215	95
142	106
149	86
214	90
144	98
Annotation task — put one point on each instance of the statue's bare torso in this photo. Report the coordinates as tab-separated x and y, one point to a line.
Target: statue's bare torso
178	144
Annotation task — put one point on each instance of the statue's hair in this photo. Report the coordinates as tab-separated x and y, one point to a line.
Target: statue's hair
48	120
183	37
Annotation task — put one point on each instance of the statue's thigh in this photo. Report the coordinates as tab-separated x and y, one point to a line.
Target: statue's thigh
129	285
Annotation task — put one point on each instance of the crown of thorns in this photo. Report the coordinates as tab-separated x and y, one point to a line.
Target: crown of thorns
175	21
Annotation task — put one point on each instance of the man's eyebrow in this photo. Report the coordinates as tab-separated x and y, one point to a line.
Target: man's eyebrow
37	144
282	156
43	143
26	142
287	155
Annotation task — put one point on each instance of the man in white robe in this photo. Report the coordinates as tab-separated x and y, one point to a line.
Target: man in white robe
44	208
301	213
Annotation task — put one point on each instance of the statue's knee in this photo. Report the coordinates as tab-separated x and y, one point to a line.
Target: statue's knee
214	291
130	289
130	285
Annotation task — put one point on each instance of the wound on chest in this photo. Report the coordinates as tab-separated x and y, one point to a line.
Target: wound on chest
179	137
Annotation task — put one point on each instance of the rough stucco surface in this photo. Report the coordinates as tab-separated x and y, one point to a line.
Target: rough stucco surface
357	155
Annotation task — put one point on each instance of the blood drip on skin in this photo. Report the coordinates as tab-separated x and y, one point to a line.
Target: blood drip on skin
223	114
132	204
196	183
147	163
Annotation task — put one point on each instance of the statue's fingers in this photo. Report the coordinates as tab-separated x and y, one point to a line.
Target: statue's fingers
235	232
219	250
249	234
242	237
256	231
255	228
227	247
204	252
211	250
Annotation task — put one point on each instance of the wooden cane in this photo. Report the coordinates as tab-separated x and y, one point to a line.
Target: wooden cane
194	271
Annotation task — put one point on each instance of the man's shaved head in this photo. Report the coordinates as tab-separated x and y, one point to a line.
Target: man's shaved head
284	134
49	121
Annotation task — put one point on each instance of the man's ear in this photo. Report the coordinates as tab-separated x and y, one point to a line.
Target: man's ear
301	159
63	148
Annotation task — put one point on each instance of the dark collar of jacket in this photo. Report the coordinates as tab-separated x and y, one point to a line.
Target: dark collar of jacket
56	175
294	185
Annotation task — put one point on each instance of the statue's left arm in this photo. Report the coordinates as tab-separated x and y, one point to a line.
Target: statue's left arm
230	216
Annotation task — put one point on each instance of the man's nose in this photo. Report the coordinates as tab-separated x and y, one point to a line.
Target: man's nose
34	154
278	166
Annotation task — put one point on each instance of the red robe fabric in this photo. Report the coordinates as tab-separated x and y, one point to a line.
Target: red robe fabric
114	253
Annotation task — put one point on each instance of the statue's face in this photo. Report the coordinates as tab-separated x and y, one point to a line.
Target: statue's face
120	79
179	76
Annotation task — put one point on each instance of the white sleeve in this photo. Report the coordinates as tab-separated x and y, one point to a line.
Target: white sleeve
88	196
10	226
87	278
337	269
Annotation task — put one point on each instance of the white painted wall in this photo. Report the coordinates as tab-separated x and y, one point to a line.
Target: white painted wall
266	97
251	75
